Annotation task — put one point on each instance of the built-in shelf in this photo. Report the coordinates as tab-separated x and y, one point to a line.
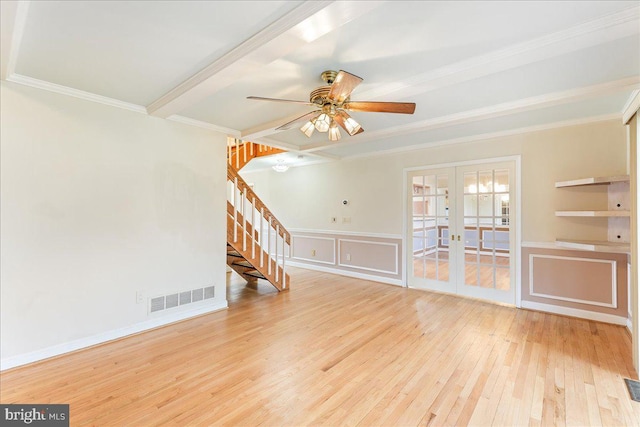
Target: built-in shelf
593	181
593	245
617	215
594	213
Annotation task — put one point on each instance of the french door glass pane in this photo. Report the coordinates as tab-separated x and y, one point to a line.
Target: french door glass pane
471	255
470	183
486	228
430	213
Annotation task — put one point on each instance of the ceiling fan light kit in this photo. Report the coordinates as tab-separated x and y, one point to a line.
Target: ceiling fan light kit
308	128
334	100
352	126
334	132
323	122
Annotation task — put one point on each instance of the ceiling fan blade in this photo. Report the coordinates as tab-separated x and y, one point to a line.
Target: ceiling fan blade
381	107
343	85
341	118
259	98
302	118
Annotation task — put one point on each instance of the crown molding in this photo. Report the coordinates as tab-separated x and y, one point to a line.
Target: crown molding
88	96
490	135
631	107
204	125
14	17
76	93
489	112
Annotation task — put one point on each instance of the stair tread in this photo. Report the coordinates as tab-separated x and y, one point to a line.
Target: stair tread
234	254
255	273
243	263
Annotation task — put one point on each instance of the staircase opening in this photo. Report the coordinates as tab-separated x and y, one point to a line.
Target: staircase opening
257	242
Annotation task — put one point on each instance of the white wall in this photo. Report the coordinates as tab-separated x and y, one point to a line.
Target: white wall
634	266
307	197
98	203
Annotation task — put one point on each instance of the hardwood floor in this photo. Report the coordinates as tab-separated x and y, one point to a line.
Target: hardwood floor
478	269
341	351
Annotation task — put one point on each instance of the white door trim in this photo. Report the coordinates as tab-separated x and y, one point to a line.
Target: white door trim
518	205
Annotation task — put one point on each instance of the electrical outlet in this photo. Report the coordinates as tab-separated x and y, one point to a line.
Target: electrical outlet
346	220
348	257
139	297
313	252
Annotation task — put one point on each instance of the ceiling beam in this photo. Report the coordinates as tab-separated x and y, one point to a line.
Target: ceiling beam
489	112
591	33
13	16
304	24
291	148
597	31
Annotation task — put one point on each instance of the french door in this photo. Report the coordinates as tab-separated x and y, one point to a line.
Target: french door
462	231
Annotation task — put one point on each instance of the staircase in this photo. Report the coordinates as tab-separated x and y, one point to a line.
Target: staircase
256	241
239	153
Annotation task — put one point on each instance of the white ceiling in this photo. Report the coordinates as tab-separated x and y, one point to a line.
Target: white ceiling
474	69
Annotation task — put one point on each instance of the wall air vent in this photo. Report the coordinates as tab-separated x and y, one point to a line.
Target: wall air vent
156	304
209	292
185	298
172	301
165	302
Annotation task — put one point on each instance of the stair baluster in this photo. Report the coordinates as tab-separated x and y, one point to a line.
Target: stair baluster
244	221
237	156
284	275
261	236
243	208
236	192
253	224
269	247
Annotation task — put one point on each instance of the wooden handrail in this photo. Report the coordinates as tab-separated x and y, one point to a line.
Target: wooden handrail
232	175
246	226
239	152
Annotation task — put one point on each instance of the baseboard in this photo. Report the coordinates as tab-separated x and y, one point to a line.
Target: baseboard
574	312
57	350
386	280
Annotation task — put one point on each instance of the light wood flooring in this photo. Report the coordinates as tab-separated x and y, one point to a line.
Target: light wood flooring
479	270
340	351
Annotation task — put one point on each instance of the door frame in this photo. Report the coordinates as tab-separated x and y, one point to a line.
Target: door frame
517	159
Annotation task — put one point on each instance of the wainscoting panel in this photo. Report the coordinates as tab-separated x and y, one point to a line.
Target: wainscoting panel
369	256
564	278
379	257
579	281
313	249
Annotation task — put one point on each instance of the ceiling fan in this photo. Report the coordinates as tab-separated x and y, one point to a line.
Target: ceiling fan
332	102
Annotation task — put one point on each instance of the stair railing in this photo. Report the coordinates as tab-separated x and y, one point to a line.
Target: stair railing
256	229
239	152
